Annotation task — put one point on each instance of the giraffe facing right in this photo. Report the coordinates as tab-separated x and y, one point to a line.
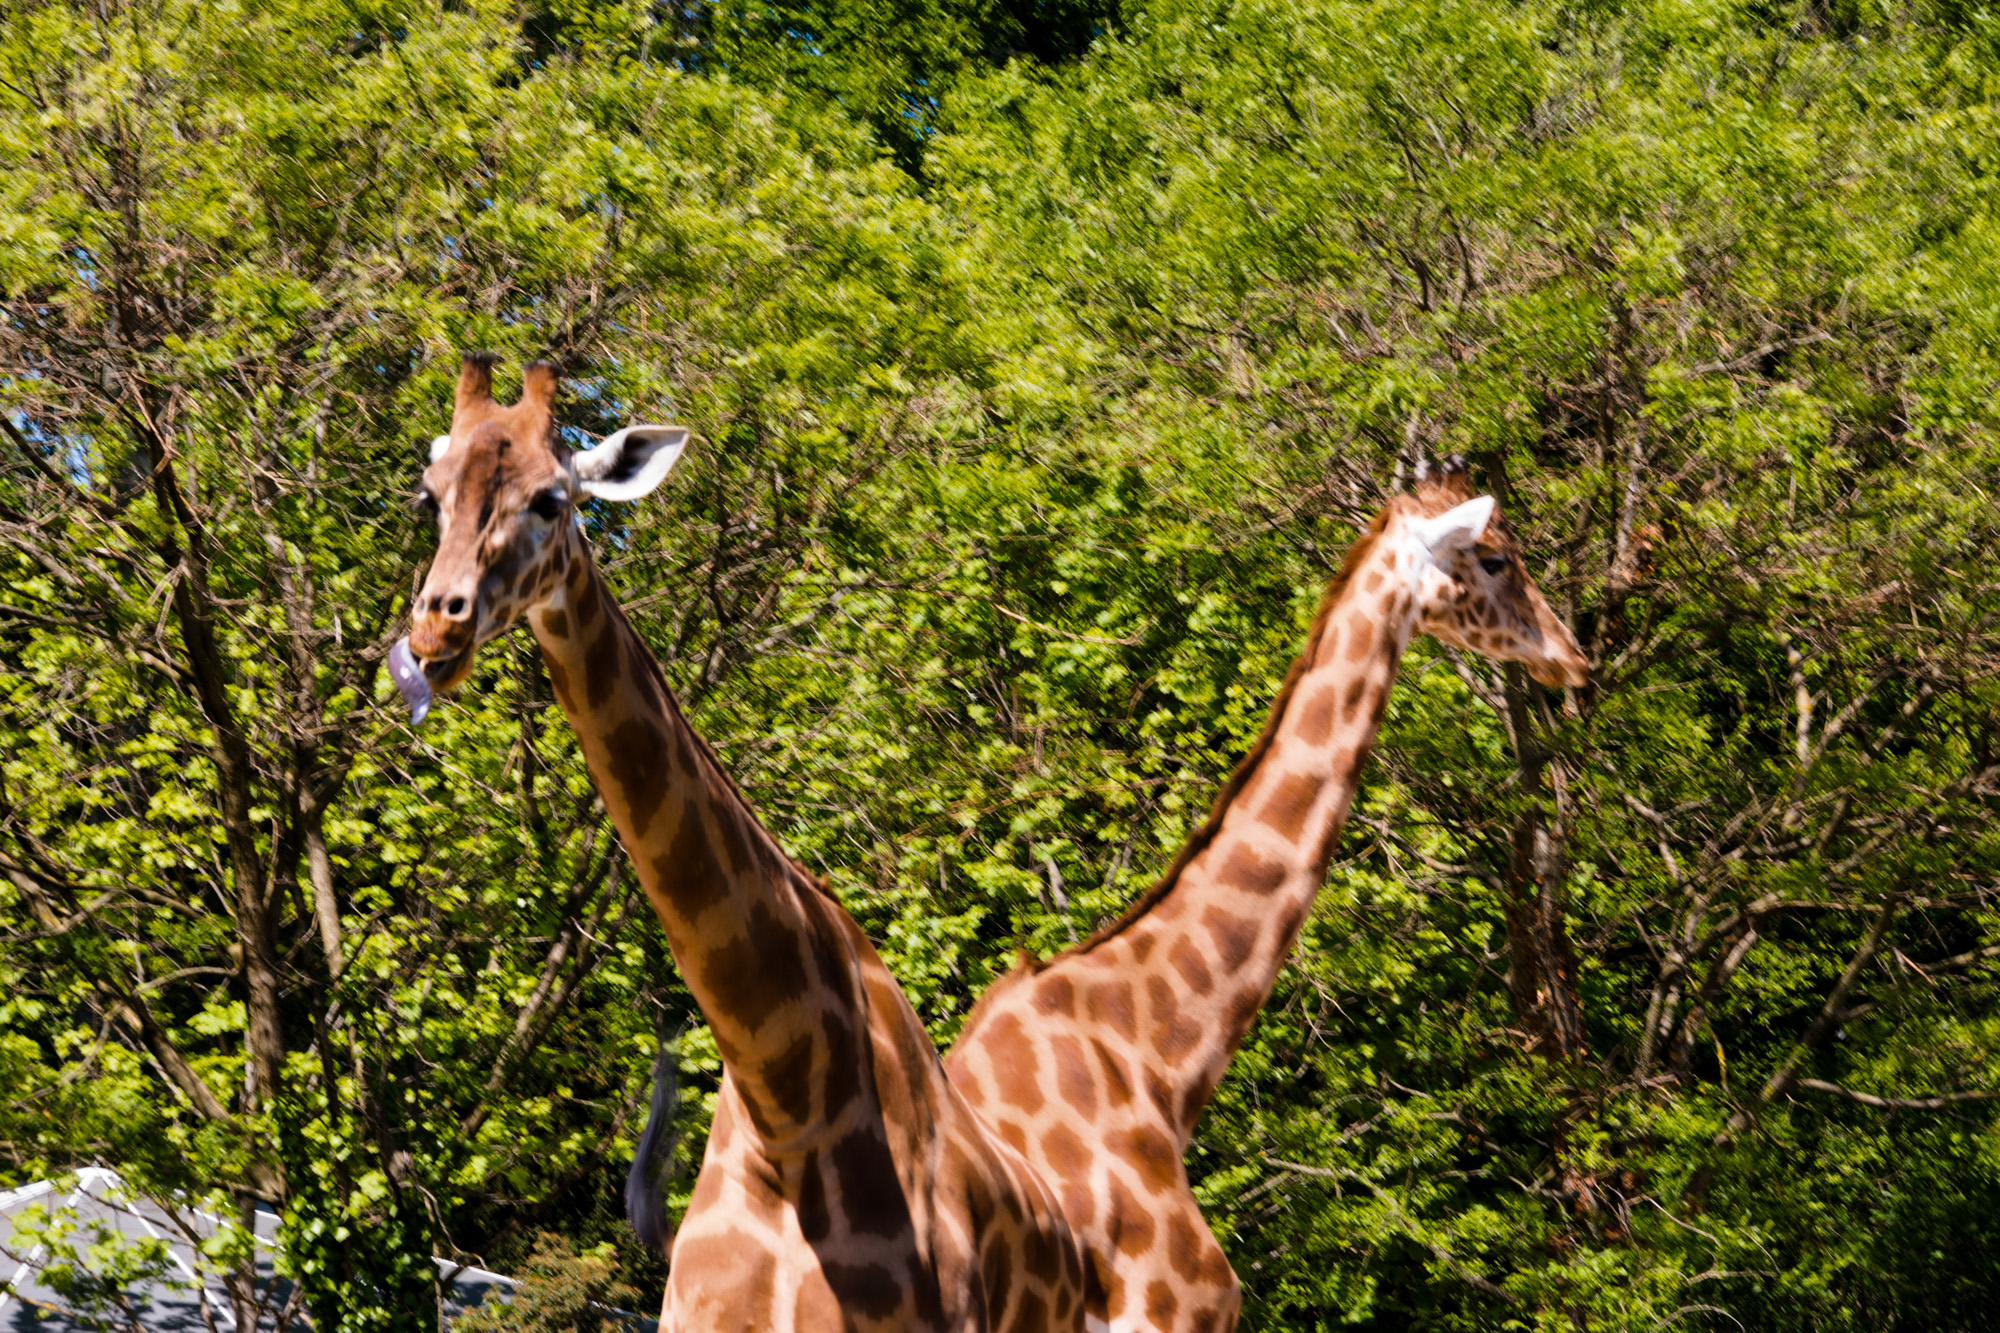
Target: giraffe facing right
1095	1064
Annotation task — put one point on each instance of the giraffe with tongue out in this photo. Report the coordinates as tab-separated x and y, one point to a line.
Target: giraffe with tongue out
846	1182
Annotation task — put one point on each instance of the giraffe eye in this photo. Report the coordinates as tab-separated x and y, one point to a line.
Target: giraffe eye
1493	564
547	505
426	506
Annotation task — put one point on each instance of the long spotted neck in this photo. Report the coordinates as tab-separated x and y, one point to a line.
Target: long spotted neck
763	958
1202	952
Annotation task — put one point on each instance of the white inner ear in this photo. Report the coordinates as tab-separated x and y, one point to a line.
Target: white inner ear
439	446
1458	527
630	462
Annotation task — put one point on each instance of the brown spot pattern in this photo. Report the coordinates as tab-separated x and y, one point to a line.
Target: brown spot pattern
1235	937
603	667
1073	1080
1360	636
761	1201
1243	1011
788	1078
1117	1087
1196	1098
1103	1289
1039	1257
732	1263
1316	715
1131	1225
1184	1248
1350	705
930	1302
635	758
1111	1001
1150	1154
1016	1071
916	1056
869	1290
815	1219
958	1166
1079	1204
752	975
1291	804
997	1268
1065	1153
687	871
871	1196
1177	1040
1247	870
1033	1314
729	833
1192	966
1056	996
843	1065
1289	923
1343	762
707	1191
559	678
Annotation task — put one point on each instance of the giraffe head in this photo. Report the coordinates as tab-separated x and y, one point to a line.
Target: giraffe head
1473	590
503	489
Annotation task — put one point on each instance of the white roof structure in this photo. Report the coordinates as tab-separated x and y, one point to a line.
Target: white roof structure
97	1254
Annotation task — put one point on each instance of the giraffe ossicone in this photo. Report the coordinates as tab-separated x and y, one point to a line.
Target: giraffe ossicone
846	1182
1097	1063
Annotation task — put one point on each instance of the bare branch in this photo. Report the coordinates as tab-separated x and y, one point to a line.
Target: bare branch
1934	1103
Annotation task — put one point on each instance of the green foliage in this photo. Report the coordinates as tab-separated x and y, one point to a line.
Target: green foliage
892	64
1012	498
560	1291
90	1265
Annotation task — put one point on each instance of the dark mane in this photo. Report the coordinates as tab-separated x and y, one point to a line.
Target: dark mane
1246	768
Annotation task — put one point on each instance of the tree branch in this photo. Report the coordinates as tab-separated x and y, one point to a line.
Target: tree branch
1936	1103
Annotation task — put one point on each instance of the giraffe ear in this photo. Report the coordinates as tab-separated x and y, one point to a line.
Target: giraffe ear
630	462
1455	528
440	447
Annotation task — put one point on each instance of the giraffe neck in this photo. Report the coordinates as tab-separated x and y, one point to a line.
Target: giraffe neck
749	930
1204	949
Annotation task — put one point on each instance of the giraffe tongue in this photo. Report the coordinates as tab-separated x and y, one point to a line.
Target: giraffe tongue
408	673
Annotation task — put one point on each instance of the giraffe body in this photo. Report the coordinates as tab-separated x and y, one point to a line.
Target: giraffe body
1096	1064
847	1184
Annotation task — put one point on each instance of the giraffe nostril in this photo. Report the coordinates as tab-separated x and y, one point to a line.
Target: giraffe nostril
455	607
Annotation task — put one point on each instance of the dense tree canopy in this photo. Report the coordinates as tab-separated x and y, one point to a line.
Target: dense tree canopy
1043	361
